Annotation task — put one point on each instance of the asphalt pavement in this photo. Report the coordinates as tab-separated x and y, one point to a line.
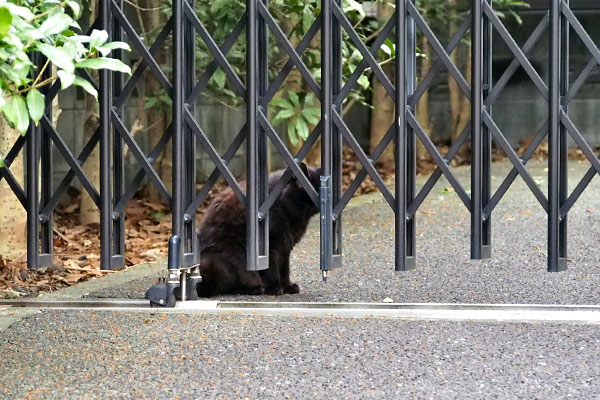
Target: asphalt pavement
114	355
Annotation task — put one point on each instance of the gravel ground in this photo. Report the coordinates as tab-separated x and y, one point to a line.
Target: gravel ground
516	273
83	355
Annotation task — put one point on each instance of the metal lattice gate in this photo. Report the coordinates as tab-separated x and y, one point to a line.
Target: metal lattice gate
558	21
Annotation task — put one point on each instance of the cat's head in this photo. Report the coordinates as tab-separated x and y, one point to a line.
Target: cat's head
296	191
313	174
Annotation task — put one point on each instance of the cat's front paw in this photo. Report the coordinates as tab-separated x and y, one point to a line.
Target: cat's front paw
274	291
292	289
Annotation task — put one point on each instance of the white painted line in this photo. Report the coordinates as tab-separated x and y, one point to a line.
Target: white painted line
197	305
588	314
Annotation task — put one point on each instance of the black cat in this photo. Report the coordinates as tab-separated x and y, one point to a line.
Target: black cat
222	240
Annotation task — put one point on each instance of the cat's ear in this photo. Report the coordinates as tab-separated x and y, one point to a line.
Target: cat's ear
304	169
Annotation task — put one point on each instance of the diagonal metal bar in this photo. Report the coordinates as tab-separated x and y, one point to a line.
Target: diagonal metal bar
507	182
287	157
214	49
578	191
214	64
581	32
289	49
514	65
214	156
362	174
14	185
356	74
140	47
10	157
137	180
437	158
212	179
439	50
51	93
68	178
87	76
435	176
365	161
514	48
287	175
360	46
14	150
438	64
282	75
515	160
140	157
70	159
143	65
579	140
579	82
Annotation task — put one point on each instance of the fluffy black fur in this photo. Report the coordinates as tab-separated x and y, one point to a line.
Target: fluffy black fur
222	240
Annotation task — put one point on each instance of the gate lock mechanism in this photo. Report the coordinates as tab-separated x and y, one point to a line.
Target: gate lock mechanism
181	284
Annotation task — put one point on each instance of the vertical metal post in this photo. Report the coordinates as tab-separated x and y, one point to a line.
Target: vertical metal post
336	140
189	147
118	162
177	192
556	262
46	221
326	139
254	261
410	185
403	261
104	97
262	142
486	137
32	191
479	249
564	135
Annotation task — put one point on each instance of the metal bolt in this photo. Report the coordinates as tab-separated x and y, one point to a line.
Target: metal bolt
161	301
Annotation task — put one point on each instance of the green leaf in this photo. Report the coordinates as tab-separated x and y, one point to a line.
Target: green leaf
219	78
76	8
386	49
294	98
302	128
353	5
291	131
9	114
106	48
391	46
1	161
283	115
104	63
35	104
150	102
85	85
311	116
282	103
57	56
56	23
22	115
307	17
5	21
363	81
19	11
66	79
98	38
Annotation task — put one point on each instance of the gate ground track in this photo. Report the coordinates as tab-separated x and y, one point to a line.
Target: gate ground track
588	314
